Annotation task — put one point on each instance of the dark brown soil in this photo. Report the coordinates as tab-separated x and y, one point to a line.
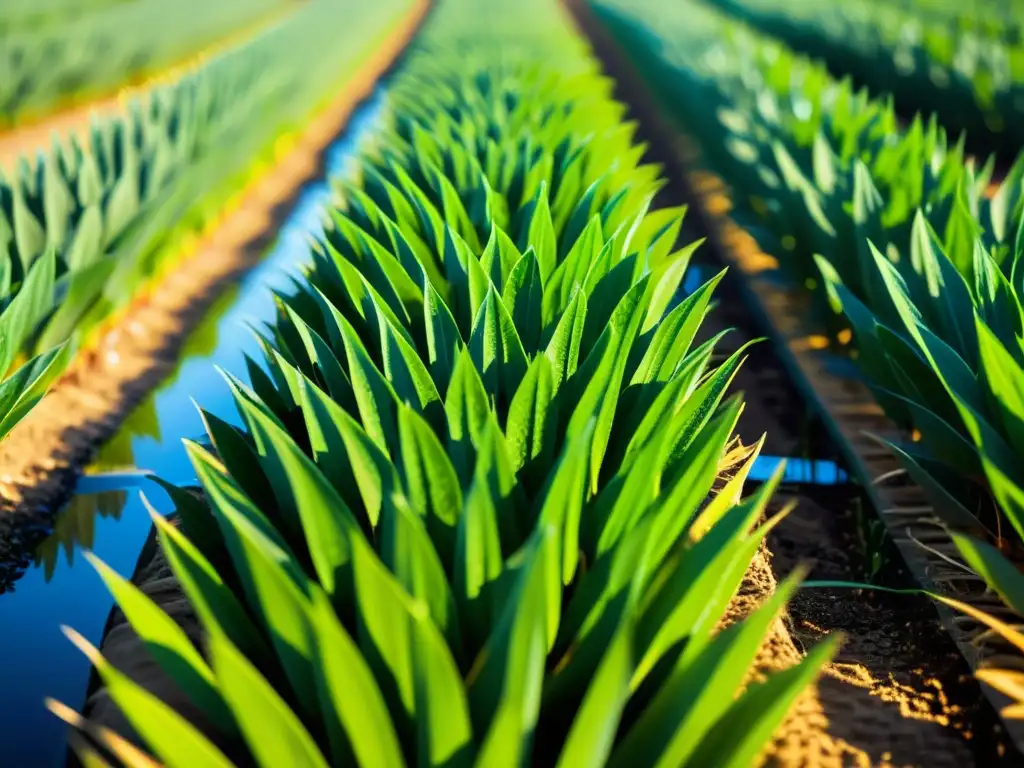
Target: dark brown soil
900	692
42	457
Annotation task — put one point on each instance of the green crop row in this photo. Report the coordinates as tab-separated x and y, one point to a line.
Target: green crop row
972	79
82	228
889	227
23	15
96	53
998	19
469	518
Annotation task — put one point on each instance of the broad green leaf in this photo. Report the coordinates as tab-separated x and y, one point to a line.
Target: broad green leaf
947	508
408	376
674	335
602	379
573	270
23	389
167	644
700	581
506	686
375	397
443	338
430	481
522	296
665	285
270	575
32	303
593	731
499	258
999	573
563	350
326	521
29	235
538	232
356	467
530	427
275	735
478	561
177	743
414	652
406	549
468	411
738	736
356	715
237	453
564	498
699	690
213	600
1004	378
496	348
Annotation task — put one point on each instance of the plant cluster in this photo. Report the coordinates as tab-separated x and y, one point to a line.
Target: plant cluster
474	512
54	52
964	64
889	226
88	223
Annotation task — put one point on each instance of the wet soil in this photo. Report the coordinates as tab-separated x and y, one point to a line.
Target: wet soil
43	455
899	692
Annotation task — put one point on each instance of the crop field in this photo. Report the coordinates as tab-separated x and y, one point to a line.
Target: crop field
483	383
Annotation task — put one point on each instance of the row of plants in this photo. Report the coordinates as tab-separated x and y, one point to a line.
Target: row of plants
888	227
930	63
100	214
469	517
43	67
20	15
999	19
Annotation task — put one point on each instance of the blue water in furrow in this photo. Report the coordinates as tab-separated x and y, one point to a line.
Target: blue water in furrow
798	471
107	514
